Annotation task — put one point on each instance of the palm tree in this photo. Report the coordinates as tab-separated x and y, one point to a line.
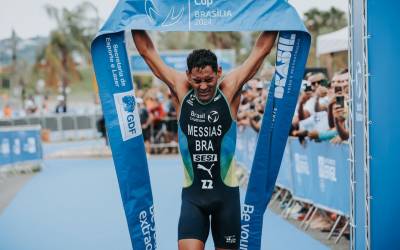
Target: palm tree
320	22
74	32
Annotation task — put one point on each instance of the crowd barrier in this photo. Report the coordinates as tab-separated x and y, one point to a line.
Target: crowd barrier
61	126
20	145
317	172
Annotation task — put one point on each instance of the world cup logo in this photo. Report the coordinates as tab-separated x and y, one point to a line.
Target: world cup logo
155	16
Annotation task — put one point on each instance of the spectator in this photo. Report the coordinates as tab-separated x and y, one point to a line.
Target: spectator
101	127
157	112
171	123
7	111
61	105
30	106
314	99
340	108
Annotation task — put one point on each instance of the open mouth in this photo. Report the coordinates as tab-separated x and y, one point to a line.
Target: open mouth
204	94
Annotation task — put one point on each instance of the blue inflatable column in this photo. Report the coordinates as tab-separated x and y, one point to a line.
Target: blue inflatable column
383	44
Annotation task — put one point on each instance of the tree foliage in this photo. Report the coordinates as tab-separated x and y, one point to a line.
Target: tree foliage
320	22
75	29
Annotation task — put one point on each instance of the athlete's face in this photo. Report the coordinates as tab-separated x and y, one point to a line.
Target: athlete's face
204	82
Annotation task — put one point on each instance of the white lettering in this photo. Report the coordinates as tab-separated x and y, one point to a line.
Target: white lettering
207	184
147	229
284	55
248	210
207	3
201	14
301	164
202	131
205	158
203	145
326	168
131	124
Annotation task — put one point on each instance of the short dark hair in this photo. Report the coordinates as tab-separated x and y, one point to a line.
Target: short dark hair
201	58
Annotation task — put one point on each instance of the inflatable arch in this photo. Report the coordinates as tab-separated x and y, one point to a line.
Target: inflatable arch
122	119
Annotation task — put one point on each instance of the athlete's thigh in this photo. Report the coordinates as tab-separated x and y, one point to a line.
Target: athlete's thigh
194	223
190	244
225	225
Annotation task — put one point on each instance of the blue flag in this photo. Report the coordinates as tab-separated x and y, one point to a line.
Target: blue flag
121	115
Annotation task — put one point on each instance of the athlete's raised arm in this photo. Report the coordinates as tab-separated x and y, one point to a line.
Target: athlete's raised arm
235	80
149	53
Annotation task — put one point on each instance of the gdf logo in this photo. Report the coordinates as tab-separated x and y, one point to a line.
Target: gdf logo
128	115
129	106
129	103
213	116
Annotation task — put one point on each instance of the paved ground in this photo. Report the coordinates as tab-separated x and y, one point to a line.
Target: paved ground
10	186
75	204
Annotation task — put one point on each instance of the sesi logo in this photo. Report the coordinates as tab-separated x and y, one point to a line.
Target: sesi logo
128	115
205	157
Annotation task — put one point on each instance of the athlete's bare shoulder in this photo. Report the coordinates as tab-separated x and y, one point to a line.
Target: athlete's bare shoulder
227	87
182	86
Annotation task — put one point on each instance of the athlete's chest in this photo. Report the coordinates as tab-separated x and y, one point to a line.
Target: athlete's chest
205	120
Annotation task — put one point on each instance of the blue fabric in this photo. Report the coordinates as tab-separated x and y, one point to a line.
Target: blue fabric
122	120
383	101
285	179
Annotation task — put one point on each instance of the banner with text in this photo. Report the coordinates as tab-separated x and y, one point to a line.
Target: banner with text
119	103
20	144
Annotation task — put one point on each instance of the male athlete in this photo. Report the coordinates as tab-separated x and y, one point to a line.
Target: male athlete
207	105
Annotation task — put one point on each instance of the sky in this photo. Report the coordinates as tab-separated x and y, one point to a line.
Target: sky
29	19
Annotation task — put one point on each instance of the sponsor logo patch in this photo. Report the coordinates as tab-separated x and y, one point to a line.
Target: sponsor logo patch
205	158
230	239
204	168
128	115
213	116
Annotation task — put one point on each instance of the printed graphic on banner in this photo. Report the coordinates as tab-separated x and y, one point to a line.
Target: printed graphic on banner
326	171
146	219
115	64
301	164
271	142
206	13
17	146
155	16
128	115
283	57
5	146
30	145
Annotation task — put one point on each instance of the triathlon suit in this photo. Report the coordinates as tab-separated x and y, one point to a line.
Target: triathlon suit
207	140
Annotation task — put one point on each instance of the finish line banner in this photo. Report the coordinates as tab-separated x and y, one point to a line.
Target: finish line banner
118	100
